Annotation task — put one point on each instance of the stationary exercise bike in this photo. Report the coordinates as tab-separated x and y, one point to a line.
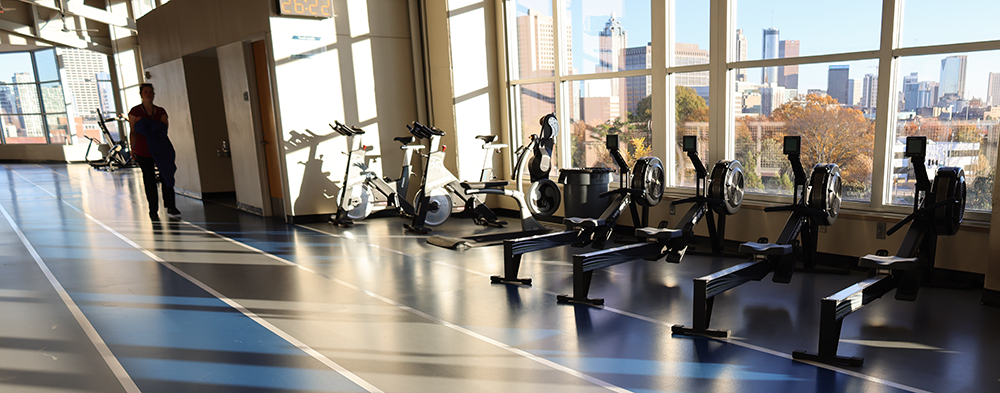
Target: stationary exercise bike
812	206
938	210
119	155
542	199
724	196
641	185
356	199
441	191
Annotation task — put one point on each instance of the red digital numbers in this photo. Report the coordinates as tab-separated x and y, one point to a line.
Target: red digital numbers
319	8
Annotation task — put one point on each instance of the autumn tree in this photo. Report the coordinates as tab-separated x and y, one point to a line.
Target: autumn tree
832	134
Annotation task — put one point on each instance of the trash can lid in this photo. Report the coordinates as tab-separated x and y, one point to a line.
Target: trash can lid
585	176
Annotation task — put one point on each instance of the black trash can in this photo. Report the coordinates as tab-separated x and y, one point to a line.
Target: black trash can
581	187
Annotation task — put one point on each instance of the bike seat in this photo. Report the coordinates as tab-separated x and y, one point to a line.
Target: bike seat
406	140
486	138
573	222
766	248
479	185
888	262
659	233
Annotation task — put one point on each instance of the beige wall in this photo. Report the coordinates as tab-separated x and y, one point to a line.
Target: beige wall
182	27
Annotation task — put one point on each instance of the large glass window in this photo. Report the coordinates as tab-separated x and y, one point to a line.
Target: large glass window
826	111
600	111
773	29
31	97
607	36
787	72
691	108
929	22
947	98
535	32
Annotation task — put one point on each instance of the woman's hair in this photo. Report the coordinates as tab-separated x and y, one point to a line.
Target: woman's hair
144	85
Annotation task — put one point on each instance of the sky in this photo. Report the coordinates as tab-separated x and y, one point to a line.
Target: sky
820	27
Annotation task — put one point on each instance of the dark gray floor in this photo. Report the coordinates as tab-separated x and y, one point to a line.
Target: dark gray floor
224	301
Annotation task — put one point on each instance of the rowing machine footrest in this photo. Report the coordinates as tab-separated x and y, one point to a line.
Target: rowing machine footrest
578	222
888	262
766	248
659	233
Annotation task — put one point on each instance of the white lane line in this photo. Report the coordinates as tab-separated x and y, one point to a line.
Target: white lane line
644	318
232	303
88	328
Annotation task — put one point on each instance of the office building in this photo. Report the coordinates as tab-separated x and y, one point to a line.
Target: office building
788	76
911	86
993	89
869	93
770	51
953	77
740	54
837	83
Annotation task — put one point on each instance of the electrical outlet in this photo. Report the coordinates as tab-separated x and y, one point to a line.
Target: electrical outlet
880	230
673	209
822	228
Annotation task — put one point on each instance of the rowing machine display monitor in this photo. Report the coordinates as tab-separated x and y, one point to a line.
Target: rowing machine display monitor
793	145
612	142
690	143
916	146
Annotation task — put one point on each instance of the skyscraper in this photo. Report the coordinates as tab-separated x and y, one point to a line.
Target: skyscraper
788	76
537	58
638	87
854	89
689	54
27	102
911	86
953	77
837	83
927	94
80	68
740	54
869	93
613	41
770	51
6	100
993	90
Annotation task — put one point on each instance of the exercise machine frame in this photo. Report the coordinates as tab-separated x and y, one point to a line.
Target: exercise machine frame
725	196
937	211
646	179
360	182
438	184
779	257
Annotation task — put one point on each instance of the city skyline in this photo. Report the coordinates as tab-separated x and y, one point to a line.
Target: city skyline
692	26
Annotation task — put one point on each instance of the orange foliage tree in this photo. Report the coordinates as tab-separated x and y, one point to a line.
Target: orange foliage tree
832	134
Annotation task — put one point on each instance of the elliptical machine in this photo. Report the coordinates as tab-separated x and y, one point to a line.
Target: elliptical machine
356	201
119	155
812	206
543	197
938	210
434	201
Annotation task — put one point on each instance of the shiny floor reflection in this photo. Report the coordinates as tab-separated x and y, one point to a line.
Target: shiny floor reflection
224	301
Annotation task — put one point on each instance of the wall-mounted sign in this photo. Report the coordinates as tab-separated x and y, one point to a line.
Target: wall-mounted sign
311	8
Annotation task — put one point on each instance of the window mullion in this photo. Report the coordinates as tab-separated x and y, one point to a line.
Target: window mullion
884	108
